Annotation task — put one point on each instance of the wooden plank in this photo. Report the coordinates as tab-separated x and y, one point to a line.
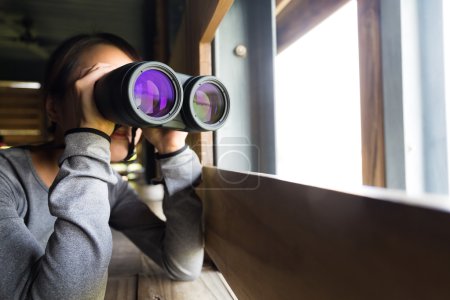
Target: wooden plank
18	91
14	140
280	5
5	116
273	239
29	109
300	16
121	288
37	110
372	115
153	284
21	133
125	258
20	95
11	123
16	101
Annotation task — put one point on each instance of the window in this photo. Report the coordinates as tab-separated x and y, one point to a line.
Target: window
446	20
424	103
318	131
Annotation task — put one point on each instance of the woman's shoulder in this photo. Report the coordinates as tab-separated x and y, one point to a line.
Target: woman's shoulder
13	161
13	155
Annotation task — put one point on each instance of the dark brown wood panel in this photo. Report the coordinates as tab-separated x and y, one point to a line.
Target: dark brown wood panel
160	39
15	140
122	288
20	121
300	16
192	54
22	116
273	239
372	116
154	285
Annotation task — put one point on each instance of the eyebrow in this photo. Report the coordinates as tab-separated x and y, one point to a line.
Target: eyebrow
83	71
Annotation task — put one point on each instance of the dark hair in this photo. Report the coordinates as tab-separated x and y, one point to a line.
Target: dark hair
59	73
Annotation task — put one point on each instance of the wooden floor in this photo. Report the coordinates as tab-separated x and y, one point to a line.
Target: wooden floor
132	275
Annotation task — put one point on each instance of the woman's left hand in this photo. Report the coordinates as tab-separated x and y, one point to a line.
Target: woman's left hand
165	140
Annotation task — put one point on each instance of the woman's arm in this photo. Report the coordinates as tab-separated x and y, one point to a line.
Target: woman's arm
176	245
75	262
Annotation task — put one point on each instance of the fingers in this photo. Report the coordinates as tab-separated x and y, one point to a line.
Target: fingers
88	114
165	140
95	72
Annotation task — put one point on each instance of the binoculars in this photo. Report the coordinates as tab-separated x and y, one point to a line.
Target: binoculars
151	94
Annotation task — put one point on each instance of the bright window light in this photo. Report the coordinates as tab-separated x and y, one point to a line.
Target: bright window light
446	33
318	124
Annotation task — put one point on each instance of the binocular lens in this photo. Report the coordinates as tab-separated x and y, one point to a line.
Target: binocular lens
154	93
151	94
139	94
209	103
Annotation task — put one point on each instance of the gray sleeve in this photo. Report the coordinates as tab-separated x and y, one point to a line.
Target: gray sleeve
75	262
177	244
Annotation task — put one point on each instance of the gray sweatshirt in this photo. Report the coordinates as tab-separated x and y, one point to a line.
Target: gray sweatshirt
56	243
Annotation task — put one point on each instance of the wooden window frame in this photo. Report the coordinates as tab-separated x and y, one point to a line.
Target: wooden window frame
192	55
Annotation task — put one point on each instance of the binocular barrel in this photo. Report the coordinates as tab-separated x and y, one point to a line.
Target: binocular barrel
151	94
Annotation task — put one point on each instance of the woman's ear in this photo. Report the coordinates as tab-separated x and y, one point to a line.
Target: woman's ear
52	110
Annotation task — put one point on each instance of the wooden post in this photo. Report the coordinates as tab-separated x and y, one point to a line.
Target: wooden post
191	54
372	116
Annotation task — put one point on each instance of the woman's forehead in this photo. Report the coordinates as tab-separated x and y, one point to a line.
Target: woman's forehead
101	54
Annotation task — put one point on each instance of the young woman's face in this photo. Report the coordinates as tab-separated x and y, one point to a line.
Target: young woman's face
113	56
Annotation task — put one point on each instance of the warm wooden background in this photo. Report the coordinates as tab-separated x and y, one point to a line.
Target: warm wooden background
273	239
21	116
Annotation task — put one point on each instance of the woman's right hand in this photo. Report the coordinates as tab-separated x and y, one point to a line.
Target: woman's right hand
87	114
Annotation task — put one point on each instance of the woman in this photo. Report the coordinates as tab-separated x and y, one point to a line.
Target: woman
58	200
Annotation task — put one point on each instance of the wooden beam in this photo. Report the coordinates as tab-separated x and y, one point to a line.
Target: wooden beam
280	5
372	116
273	239
300	16
192	54
160	38
217	12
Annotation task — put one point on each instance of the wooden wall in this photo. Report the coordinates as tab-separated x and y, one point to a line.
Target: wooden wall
273	239
22	118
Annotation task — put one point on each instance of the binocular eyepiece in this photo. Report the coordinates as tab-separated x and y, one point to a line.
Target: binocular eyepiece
151	94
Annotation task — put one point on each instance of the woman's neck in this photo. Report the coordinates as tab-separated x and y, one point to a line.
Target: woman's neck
45	160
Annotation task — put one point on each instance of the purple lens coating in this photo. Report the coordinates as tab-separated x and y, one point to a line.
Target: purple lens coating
154	93
209	103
